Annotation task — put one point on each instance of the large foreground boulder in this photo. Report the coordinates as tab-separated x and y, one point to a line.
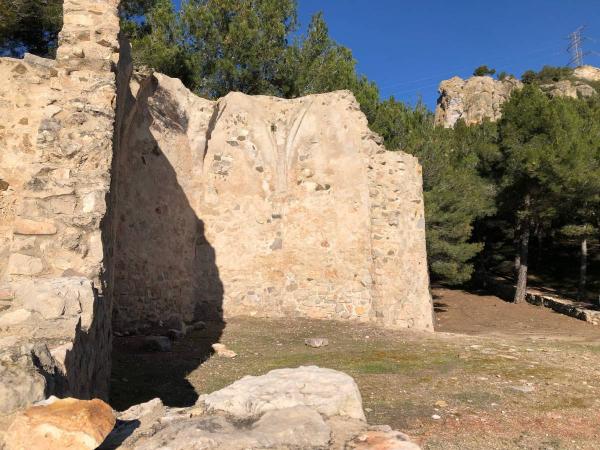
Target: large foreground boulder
329	392
61	424
302	408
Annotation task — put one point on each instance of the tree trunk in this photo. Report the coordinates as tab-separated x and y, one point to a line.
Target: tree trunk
524	253
518	253
582	270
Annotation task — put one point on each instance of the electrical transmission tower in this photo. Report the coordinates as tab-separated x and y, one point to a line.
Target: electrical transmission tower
575	47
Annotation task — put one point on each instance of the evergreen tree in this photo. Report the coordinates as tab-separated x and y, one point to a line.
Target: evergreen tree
29	26
577	173
238	45
525	142
483	70
455	193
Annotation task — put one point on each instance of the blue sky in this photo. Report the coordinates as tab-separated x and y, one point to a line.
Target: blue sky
408	47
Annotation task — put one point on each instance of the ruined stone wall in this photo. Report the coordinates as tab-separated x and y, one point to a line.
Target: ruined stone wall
401	279
262	206
128	190
56	133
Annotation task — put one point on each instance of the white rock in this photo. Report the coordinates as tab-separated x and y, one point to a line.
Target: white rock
223	351
327	391
316	342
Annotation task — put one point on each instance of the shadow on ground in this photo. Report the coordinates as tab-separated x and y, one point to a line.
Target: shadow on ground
141	376
165	275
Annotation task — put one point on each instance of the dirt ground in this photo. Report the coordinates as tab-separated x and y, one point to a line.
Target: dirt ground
494	375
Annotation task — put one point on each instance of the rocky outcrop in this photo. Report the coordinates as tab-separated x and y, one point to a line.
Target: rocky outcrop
321	410
569	88
472	100
255	205
588	73
479	98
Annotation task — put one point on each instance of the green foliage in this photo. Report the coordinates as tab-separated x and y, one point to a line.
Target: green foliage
456	195
548	74
504	75
579	231
483	70
238	45
164	48
29	26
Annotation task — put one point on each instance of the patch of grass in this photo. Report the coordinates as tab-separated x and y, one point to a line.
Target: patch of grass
563	402
479	399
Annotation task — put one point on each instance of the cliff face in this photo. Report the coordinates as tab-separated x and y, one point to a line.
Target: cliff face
479	98
472	100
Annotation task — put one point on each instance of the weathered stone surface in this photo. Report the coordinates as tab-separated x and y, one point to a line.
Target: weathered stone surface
20	385
57	297
479	98
61	424
152	426
568	88
293	428
19	264
472	100
286	183
327	391
56	141
14	317
589	73
26	226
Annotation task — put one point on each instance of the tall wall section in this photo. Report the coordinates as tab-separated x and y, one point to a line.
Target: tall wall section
56	133
262	206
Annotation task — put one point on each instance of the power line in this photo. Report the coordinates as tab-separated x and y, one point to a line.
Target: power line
429	85
440	74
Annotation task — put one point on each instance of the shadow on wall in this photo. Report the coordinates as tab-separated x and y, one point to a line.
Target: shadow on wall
165	278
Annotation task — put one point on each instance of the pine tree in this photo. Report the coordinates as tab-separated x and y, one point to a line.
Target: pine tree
29	26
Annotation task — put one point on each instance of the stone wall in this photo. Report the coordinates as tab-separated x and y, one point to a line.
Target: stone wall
55	153
265	207
129	191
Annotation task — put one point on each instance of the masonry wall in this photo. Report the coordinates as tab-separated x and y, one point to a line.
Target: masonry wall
56	136
262	206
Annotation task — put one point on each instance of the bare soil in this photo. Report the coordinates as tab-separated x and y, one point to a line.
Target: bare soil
494	376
